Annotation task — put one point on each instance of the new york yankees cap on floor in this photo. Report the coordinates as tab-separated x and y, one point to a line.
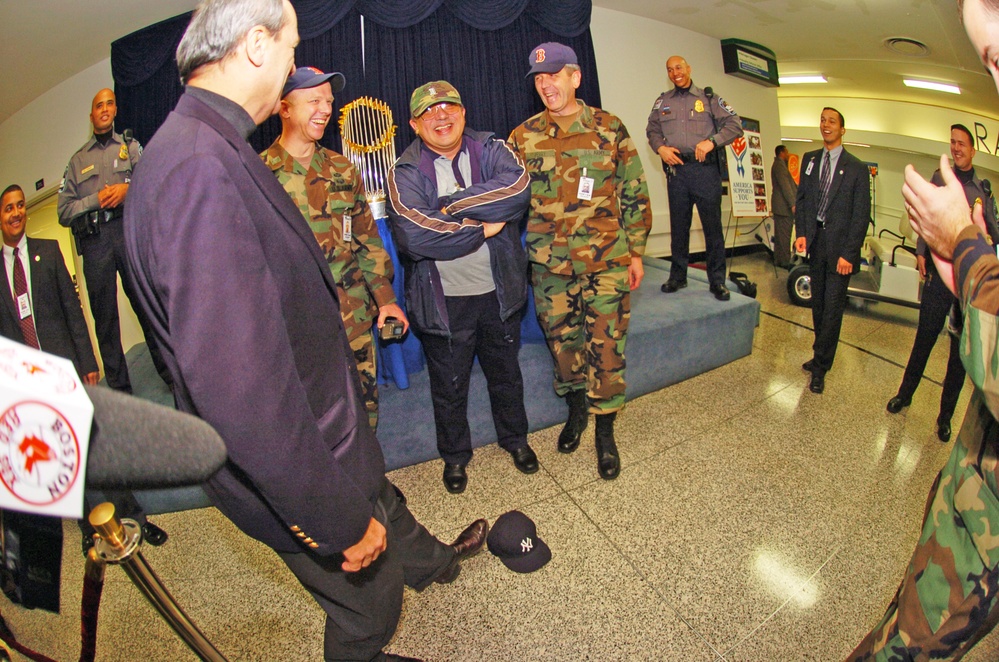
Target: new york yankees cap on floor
514	539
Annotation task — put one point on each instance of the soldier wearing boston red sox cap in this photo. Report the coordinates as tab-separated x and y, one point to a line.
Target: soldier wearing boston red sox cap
686	127
586	232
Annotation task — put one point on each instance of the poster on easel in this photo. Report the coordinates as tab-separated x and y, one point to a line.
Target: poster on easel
746	180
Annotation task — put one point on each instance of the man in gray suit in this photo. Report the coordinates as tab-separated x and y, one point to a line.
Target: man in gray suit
782	206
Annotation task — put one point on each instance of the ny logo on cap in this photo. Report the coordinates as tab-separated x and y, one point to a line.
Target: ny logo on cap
539	55
526	544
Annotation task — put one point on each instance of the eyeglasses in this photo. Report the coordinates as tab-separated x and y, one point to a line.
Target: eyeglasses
442	109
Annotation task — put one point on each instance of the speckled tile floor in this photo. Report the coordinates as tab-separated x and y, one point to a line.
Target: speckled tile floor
752	521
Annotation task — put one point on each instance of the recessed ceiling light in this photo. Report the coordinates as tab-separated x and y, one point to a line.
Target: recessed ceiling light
797	80
930	85
907	46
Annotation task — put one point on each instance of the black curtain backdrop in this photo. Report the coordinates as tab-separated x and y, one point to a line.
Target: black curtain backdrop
488	67
480	46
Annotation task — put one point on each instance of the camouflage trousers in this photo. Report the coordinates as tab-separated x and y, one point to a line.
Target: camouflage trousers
363	347
947	600
585	322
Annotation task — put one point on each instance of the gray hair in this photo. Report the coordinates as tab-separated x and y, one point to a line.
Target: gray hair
218	27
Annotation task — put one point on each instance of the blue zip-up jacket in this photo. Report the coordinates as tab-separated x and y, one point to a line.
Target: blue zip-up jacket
427	228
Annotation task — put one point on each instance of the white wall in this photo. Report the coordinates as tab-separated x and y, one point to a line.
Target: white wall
38	140
898	133
631	59
36	143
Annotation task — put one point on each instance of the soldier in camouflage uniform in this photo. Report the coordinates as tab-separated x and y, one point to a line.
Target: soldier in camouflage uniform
947	600
586	233
330	194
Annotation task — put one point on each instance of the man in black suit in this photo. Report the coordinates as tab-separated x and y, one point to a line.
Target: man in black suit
937	301
239	292
832	211
43	311
48	315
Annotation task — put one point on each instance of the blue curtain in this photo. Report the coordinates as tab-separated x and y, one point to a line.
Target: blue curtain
479	45
488	67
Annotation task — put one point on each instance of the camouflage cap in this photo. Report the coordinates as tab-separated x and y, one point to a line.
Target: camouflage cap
549	58
432	93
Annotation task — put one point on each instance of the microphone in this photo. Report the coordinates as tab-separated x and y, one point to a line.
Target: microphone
136	444
708	92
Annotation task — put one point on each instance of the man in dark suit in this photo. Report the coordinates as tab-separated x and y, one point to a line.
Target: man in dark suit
832	211
241	296
40	308
782	206
48	315
937	301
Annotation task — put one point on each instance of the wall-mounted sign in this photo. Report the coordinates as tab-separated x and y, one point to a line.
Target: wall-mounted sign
750	61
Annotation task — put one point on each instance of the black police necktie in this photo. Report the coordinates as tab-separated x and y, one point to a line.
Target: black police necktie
20	288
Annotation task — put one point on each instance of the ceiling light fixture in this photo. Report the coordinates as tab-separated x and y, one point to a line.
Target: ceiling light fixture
855	144
907	46
930	85
798	80
796	140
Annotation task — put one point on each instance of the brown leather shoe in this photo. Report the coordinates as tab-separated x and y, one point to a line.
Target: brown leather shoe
468	543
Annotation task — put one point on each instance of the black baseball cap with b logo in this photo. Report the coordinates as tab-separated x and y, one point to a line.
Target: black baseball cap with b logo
549	58
514	539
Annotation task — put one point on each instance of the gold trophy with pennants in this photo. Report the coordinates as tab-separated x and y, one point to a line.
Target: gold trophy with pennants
367	133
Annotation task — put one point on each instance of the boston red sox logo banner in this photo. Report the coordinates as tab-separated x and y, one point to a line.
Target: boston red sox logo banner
45	420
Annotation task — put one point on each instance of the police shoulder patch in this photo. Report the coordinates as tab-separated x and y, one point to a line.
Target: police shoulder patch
727	107
657	104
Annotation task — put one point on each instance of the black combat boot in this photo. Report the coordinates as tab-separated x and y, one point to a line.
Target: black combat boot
608	463
568	439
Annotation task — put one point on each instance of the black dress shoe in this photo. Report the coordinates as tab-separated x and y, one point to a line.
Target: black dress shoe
468	543
721	292
455	478
671	286
896	404
808	365
943	431
392	657
525	460
153	534
818	383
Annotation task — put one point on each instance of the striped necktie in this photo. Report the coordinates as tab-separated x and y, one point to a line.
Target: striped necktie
825	179
21	288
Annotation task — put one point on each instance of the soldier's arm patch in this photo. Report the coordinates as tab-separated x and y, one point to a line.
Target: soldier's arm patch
726	106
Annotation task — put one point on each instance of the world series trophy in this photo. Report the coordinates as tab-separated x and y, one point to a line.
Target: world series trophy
367	132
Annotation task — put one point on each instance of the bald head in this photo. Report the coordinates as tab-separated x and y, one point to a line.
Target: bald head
103	110
678	71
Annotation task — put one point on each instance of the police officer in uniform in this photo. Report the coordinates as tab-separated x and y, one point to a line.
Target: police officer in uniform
90	202
686	127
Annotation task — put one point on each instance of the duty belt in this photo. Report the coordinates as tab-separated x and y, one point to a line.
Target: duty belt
106	215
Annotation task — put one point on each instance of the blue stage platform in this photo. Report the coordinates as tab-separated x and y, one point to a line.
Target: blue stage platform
671	338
